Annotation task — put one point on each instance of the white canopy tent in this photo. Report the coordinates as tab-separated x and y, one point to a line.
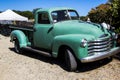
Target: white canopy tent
9	15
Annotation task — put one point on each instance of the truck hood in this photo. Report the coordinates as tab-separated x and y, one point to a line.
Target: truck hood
79	27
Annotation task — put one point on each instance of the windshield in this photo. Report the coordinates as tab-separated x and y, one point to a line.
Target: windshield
63	15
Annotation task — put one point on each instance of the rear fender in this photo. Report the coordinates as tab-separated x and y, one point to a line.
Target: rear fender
17	34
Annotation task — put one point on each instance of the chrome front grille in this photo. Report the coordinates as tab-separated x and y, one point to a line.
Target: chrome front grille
98	46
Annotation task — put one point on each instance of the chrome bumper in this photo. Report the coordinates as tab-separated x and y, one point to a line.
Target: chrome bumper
99	56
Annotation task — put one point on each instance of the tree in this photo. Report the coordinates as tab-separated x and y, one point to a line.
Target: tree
100	14
28	14
115	8
110	1
84	18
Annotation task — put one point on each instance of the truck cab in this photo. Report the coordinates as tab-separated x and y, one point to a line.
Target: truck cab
59	33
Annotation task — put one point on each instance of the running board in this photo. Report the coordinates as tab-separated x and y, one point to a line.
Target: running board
38	51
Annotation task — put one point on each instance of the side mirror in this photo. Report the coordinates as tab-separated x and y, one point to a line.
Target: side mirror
54	21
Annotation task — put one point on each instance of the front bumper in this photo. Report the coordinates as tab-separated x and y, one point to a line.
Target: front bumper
99	56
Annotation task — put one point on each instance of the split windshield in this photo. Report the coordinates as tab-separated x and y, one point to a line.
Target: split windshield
63	15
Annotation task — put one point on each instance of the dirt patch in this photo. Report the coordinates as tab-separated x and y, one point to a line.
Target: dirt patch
32	66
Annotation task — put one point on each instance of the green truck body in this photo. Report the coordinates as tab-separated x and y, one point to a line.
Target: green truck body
59	32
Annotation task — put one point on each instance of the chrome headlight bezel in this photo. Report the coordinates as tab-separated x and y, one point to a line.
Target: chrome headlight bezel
106	26
83	43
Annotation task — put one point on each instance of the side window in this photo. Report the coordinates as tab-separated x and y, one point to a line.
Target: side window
59	15
73	15
43	18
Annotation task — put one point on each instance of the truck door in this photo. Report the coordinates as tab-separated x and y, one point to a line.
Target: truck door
42	36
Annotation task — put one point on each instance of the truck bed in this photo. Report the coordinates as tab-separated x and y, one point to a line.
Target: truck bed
27	26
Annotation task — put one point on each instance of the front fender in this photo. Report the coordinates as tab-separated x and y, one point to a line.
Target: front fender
72	41
20	36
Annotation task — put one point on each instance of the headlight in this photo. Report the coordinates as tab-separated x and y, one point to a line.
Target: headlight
106	26
83	43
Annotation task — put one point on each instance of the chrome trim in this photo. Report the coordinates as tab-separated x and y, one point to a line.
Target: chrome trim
99	50
98	43
101	39
98	46
99	56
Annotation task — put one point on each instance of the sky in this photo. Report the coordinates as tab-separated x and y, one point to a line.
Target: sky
82	6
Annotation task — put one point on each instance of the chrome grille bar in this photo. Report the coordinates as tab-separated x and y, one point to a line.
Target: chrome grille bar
98	46
99	50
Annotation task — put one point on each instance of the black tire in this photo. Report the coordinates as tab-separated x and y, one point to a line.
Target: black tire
70	60
17	46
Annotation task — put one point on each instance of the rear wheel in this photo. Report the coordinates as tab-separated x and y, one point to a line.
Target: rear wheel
70	60
17	46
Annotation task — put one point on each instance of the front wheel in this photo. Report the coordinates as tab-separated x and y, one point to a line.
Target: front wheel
17	46
70	60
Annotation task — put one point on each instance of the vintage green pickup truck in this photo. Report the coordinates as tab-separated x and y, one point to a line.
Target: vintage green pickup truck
59	33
